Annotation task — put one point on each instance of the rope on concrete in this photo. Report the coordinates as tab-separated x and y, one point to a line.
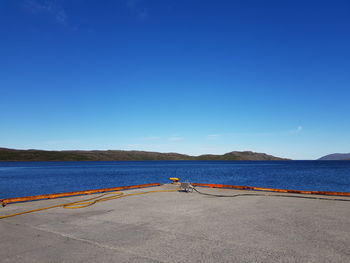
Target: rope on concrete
86	202
273	195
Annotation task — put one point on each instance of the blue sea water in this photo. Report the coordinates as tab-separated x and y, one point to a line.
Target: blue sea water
33	178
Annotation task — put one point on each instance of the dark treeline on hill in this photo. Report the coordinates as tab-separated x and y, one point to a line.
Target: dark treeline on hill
116	155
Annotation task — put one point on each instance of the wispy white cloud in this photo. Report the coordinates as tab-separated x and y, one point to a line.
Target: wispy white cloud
52	8
297	130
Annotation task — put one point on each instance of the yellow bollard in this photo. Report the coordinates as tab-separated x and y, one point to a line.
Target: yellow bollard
174	180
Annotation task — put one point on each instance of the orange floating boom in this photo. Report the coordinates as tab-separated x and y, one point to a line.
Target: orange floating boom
272	189
58	195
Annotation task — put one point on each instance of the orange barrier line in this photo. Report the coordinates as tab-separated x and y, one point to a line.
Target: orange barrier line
58	195
271	189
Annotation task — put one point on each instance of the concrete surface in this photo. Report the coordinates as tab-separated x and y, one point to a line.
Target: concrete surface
179	227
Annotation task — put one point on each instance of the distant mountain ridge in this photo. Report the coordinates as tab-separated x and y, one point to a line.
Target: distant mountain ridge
118	155
336	157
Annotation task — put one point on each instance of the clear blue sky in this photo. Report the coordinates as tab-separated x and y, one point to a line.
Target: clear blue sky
176	75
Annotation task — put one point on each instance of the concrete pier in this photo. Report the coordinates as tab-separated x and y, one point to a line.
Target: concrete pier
180	227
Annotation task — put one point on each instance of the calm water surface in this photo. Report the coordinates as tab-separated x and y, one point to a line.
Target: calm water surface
33	178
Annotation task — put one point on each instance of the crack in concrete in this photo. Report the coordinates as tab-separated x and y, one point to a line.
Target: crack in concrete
91	242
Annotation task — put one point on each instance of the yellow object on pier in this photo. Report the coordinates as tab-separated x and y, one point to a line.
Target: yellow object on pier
174	179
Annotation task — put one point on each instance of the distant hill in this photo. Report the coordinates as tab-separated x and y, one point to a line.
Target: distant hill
240	156
336	157
117	155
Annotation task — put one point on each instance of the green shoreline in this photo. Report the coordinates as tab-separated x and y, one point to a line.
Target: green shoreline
118	155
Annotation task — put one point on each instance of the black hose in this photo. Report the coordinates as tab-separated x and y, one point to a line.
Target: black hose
274	195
